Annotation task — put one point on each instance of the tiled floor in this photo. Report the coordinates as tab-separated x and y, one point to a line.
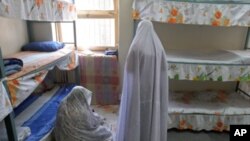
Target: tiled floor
110	113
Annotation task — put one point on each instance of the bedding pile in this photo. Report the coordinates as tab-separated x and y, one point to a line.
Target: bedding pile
12	65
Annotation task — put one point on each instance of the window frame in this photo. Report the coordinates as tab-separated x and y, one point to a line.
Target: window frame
97	14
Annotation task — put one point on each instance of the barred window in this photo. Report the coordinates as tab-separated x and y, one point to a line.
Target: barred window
96	26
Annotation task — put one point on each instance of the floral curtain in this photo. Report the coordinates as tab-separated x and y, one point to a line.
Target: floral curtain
38	10
227	14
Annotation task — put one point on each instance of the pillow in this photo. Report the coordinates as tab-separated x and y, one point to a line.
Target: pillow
45	46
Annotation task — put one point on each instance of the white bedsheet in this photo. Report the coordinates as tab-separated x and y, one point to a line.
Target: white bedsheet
219	57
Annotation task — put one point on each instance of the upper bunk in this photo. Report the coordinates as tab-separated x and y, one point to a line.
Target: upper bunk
35	68
64	58
5	105
212	65
199	12
39	10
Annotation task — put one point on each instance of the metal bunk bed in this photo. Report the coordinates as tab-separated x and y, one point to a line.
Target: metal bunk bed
197	65
9	119
58	11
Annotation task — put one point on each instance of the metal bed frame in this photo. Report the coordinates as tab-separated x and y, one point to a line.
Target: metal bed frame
9	119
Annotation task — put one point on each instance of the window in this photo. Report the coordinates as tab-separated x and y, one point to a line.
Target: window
96	26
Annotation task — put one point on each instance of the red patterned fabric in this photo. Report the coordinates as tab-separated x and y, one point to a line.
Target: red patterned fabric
100	74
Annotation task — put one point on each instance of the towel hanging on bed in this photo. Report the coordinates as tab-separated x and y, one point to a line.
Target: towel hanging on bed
143	111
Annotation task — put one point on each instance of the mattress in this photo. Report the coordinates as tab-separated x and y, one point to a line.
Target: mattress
213	57
65	59
38	112
215	65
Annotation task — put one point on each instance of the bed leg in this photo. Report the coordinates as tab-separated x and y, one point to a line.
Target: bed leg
237	86
10	127
78	75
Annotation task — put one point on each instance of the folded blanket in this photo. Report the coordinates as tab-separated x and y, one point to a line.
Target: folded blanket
12	61
111	52
7	73
12	65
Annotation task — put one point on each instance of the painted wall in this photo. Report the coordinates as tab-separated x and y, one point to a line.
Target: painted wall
183	36
41	31
174	36
125	30
13	35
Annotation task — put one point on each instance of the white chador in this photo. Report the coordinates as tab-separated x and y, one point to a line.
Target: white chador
143	111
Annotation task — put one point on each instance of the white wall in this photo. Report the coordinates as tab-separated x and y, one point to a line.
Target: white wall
13	35
182	36
176	36
125	30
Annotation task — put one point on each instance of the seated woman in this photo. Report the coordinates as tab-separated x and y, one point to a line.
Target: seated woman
76	121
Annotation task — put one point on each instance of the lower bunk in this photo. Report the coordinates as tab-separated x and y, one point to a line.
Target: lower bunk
196	111
35	117
208	110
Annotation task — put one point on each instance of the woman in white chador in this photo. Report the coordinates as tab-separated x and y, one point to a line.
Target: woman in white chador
76	122
143	111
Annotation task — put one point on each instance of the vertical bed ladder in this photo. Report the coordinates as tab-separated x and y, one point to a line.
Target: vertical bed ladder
9	120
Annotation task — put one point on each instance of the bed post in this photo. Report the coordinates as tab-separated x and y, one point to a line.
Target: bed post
10	127
77	75
9	120
246	46
77	69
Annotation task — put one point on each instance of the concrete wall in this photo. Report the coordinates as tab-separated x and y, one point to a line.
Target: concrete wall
13	35
125	30
174	36
41	31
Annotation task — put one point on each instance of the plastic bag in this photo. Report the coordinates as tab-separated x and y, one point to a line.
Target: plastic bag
76	121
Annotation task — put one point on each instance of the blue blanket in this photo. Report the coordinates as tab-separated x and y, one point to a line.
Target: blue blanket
42	122
12	61
12	65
